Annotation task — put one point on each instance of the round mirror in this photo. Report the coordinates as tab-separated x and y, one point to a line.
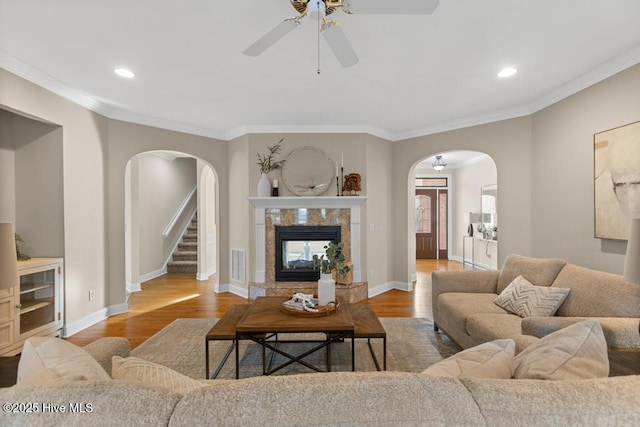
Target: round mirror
308	171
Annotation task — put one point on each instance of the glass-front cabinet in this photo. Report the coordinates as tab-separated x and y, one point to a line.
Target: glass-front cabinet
37	303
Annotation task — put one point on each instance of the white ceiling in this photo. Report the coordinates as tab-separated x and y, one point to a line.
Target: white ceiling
417	74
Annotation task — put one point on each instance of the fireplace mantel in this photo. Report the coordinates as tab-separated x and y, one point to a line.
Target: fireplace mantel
353	203
307	202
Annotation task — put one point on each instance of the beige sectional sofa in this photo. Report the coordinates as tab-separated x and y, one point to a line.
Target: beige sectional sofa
464	308
339	398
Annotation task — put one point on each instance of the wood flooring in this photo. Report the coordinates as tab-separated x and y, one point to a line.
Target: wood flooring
174	296
170	297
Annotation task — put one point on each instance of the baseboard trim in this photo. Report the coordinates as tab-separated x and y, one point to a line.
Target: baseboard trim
93	318
133	287
152	275
202	276
402	286
235	289
384	287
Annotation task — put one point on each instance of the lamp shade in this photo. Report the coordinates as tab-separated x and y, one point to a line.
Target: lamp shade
8	257
632	260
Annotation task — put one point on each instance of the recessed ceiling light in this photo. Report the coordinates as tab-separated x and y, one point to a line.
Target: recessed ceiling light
123	72
507	72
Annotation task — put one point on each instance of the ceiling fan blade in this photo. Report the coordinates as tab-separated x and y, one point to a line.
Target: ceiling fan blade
339	44
272	37
387	7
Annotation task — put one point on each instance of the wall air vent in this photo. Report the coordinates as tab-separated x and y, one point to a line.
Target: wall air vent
237	265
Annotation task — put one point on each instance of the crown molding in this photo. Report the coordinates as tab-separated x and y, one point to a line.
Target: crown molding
249	129
36	76
142	119
40	78
466	122
596	75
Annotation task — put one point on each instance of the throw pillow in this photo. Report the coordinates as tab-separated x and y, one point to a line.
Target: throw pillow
525	299
149	373
47	360
489	360
578	351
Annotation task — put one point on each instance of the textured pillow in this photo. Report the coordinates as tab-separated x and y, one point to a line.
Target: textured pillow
46	360
525	300
149	373
576	352
539	271
489	360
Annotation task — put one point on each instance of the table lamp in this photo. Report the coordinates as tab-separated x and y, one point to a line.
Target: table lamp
8	257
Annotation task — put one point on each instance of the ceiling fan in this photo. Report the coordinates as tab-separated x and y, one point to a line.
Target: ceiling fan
330	29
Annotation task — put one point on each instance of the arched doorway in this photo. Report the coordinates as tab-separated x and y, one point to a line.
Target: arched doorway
443	201
163	192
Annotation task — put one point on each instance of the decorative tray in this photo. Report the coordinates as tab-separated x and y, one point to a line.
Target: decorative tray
322	310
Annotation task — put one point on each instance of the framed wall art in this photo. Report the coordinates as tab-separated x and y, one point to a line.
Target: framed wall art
616	180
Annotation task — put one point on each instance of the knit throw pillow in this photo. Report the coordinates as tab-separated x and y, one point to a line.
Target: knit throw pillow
492	359
149	373
525	300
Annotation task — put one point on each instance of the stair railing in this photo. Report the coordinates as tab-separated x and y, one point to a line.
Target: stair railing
179	212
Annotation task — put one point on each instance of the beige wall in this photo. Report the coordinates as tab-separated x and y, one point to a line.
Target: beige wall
126	140
7	168
378	214
84	147
240	224
508	142
562	169
38	181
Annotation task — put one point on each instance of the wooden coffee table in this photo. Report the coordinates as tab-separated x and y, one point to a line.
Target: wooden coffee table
263	320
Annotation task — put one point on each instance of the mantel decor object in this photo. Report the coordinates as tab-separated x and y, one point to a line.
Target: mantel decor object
308	172
267	164
351	184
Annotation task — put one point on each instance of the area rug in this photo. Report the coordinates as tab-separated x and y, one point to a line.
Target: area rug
412	346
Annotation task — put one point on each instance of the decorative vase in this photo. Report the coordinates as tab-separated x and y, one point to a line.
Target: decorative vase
326	289
264	186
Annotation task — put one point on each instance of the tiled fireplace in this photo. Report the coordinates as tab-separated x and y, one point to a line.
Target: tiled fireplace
313	212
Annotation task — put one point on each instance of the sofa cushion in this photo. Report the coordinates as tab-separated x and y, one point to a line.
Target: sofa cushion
576	352
597	402
489	360
525	300
46	360
485	327
142	371
538	271
333	398
456	307
90	403
597	294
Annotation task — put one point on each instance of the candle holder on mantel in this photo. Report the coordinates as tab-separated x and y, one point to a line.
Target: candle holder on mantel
351	184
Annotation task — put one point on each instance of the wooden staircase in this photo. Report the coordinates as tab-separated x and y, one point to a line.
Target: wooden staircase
185	259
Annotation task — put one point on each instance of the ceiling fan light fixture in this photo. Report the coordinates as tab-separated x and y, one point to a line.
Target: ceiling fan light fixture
439	164
316	9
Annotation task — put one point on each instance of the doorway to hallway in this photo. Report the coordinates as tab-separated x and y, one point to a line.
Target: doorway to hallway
431	218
